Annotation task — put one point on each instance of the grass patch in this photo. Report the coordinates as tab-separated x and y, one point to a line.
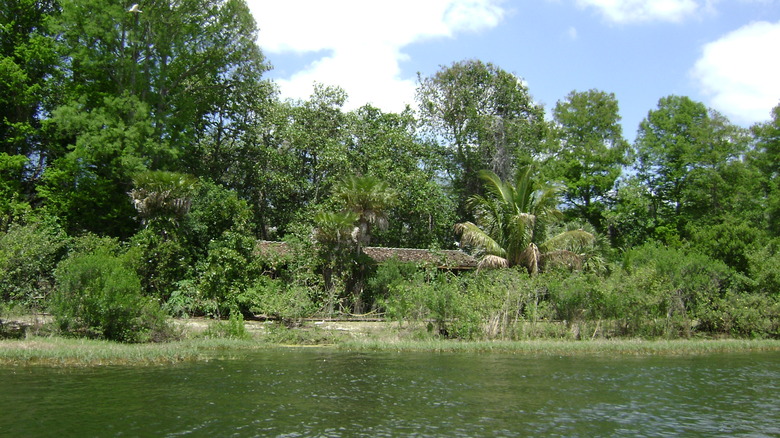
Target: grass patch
66	352
571	348
57	351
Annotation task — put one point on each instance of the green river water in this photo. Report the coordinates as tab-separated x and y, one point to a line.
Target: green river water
324	392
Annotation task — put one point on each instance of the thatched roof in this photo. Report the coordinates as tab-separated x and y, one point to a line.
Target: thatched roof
268	248
443	259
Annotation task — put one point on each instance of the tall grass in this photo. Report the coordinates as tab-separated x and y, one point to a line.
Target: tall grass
57	351
571	348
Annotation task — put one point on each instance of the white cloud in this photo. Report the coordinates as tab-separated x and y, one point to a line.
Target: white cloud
363	41
635	11
739	72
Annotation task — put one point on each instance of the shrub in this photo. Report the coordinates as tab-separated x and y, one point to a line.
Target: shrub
28	255
227	272
764	268
437	299
389	273
161	262
697	278
215	211
730	242
233	328
272	298
744	315
503	300
98	296
574	297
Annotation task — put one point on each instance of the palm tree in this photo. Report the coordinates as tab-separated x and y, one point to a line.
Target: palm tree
162	196
336	235
335	230
510	220
369	198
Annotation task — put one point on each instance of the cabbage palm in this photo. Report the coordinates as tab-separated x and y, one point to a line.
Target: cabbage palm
162	196
369	198
510	220
335	229
336	235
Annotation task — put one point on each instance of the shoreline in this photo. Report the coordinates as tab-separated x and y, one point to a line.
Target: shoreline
201	341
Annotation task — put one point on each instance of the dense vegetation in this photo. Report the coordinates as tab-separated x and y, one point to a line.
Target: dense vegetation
143	156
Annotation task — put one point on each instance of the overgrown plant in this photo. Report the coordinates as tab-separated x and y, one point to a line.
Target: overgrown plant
98	296
510	222
28	255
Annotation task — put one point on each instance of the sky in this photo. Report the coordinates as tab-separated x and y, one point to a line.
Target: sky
724	53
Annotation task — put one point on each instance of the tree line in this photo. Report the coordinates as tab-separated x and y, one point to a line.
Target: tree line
150	143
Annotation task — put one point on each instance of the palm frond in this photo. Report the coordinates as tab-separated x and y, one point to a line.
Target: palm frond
524	188
496	187
573	240
530	258
561	259
471	234
490	261
334	228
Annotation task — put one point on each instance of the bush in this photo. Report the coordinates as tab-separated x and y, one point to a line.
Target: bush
215	211
696	278
765	269
489	304
160	263
28	255
233	328
388	274
436	299
744	315
98	296
730	242
505	299
227	273
272	298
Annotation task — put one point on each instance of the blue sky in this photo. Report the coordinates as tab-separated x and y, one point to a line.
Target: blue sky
725	53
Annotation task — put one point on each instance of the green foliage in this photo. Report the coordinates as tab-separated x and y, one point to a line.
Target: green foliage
589	152
506	301
27	62
388	274
313	136
215	210
28	255
511	224
768	145
747	315
233	328
764	269
685	153
492	304
226	274
193	78
731	241
368	198
97	103
486	119
160	262
275	299
87	187
387	146
13	205
162	197
90	243
97	295
434	299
